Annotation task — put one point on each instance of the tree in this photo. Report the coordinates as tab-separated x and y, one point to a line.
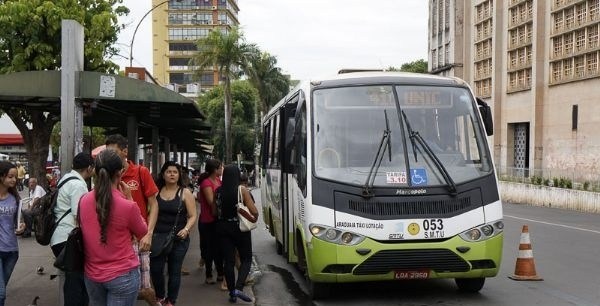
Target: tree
244	99
229	53
30	39
272	85
418	66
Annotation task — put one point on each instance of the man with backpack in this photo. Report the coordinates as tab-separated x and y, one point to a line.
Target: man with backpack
71	284
144	191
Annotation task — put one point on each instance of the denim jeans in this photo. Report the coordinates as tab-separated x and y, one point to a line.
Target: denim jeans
174	259
8	260
121	291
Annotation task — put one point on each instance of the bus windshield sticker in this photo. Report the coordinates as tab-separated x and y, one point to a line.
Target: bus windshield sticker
418	177
396	177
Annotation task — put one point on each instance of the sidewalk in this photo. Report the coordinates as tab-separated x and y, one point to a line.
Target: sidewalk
25	283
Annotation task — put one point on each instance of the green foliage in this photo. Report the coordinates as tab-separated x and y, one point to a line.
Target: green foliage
244	97
546	182
536	180
586	185
267	78
30	39
555	182
230	54
418	66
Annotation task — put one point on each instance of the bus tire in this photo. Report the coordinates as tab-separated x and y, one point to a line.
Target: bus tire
278	247
318	291
470	285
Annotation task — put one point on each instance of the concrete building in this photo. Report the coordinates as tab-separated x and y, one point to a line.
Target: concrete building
536	63
175	29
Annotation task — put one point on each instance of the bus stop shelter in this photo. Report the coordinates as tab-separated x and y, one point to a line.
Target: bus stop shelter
147	113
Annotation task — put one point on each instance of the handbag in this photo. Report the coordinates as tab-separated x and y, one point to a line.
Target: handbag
162	243
246	219
71	258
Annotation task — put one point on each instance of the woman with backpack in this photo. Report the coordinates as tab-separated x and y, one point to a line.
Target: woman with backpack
9	206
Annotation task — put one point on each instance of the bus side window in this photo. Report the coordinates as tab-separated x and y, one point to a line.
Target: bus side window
301	166
266	145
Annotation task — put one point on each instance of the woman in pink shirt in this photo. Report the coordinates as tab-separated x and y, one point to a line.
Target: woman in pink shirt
109	218
209	181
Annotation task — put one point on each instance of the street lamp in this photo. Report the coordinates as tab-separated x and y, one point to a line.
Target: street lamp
138	25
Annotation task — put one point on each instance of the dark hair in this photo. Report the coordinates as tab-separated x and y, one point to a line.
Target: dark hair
108	164
82	161
160	181
211	166
243	178
117	139
5	167
230	184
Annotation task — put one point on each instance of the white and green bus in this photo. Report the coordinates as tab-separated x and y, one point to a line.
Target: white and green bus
376	176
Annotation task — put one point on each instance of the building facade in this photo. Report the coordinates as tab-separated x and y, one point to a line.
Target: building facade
176	27
536	64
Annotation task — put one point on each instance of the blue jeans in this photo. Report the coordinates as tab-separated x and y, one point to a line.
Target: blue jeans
121	291
8	260
175	260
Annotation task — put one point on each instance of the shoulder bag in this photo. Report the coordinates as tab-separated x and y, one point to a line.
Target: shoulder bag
162	243
71	257
246	219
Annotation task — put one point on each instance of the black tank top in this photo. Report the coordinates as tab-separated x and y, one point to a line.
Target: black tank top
225	211
167	212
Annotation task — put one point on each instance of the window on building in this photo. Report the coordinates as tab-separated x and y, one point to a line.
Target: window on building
528	78
187	33
558	21
569	18
557	71
512	80
580	42
179	61
447	54
433	59
580	66
528	55
568	68
522	55
558	45
581	11
594	9
514	16
447	14
529	5
592	33
512	57
568	39
522	32
183	47
592	63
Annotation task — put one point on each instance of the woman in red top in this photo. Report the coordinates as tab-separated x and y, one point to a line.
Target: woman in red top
209	181
109	218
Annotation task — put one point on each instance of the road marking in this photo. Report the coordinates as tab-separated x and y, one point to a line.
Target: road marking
555	224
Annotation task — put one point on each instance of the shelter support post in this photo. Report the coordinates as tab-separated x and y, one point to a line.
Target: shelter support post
155	151
132	138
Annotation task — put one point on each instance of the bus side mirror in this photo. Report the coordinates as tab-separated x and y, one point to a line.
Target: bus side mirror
486	116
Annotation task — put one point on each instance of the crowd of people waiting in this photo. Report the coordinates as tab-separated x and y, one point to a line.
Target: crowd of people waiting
124	221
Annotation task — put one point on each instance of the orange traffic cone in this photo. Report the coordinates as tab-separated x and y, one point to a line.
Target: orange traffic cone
525	267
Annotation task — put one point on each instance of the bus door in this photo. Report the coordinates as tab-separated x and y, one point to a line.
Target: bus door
287	115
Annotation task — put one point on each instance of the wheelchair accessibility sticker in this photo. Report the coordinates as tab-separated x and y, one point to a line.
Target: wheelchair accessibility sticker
418	176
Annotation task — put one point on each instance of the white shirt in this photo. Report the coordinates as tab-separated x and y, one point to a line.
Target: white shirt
68	197
37	193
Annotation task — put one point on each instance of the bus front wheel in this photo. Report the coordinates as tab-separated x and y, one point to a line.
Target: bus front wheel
470	285
318	291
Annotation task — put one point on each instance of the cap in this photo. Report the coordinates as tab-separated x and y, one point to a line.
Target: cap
82	161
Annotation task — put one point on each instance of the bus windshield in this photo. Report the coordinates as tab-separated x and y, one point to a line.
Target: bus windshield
349	123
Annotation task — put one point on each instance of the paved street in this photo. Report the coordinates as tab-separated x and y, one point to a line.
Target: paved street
25	283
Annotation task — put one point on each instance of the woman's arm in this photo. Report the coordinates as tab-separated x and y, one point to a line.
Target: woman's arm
209	196
249	202
190	206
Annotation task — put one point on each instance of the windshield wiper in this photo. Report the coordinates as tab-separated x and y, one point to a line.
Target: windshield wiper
436	161
383	144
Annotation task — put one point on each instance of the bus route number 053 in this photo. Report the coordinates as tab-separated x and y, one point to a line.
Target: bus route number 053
433	224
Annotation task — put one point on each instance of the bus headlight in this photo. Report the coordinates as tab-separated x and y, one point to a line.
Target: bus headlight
334	235
483	232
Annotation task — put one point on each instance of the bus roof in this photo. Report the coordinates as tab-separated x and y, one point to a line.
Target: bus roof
368	78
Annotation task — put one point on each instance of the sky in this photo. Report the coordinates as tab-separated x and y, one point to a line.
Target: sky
311	37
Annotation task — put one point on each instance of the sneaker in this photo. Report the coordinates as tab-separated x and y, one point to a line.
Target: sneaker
160	302
242	295
232	299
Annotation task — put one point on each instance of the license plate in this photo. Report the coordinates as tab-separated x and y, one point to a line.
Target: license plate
419	274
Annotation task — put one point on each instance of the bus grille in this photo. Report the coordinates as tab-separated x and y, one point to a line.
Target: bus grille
438	260
439	207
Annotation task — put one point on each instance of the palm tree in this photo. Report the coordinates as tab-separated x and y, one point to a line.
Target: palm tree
271	84
228	52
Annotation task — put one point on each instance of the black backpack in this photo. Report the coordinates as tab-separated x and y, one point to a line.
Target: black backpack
44	220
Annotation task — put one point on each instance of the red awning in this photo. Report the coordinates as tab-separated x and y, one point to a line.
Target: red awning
11	139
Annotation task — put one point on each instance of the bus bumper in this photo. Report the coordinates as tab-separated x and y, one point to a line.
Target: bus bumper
452	258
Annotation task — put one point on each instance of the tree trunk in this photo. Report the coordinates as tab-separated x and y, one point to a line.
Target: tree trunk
227	90
36	139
